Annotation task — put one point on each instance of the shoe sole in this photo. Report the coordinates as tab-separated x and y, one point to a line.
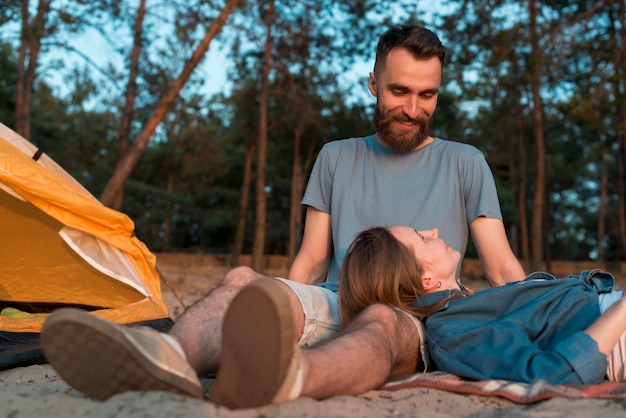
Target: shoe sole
95	357
258	342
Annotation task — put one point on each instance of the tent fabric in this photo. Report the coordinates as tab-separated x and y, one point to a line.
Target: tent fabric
61	247
20	349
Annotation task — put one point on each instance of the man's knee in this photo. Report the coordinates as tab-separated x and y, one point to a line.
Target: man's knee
382	315
240	277
390	321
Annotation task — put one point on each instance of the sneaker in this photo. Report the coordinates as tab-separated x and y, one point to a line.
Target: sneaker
101	359
260	359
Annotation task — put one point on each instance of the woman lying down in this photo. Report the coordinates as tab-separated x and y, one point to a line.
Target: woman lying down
563	331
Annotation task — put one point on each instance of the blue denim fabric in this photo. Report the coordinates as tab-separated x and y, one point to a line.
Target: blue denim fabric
602	281
522	331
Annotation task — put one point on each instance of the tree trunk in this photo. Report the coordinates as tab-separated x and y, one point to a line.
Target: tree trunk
169	210
240	233
296	195
537	112
620	88
621	166
604	196
30	45
123	134
126	165
258	249
523	177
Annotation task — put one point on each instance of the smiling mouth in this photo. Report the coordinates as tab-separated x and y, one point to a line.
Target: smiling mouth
407	121
407	124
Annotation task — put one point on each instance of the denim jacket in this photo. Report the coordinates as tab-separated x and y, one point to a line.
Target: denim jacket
522	331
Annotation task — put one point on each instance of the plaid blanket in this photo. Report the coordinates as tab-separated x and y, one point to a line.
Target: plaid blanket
523	393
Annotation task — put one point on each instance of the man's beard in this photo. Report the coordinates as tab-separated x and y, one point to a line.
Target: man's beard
398	140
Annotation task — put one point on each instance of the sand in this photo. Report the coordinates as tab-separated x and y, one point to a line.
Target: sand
37	391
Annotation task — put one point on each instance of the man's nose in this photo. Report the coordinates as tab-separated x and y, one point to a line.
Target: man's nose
412	107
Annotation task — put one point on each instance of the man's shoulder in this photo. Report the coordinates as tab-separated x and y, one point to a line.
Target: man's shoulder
338	144
347	148
448	146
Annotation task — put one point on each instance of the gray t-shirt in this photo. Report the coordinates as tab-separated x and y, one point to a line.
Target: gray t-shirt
362	184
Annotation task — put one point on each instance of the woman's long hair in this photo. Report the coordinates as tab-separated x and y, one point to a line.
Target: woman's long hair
378	268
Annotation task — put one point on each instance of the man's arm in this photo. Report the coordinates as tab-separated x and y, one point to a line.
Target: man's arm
497	258
312	262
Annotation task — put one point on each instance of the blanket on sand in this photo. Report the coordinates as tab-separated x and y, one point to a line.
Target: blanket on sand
523	393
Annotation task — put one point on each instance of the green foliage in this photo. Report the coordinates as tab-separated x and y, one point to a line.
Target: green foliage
9	11
490	71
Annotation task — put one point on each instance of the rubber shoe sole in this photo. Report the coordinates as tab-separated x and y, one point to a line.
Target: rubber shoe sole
102	359
258	346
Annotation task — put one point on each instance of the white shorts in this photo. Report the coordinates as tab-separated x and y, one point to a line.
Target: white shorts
615	369
321	312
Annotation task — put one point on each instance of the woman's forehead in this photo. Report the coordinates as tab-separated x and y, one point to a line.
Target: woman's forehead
404	233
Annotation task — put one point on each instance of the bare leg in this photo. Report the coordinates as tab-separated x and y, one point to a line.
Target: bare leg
261	364
379	343
199	329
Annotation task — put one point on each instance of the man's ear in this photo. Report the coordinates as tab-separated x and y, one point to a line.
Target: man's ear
429	283
372	84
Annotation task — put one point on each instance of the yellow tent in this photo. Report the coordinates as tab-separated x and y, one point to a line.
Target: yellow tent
61	247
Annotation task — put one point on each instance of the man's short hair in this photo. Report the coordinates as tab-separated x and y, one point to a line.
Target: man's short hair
419	41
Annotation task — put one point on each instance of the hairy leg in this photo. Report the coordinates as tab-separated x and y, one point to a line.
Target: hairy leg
378	343
199	328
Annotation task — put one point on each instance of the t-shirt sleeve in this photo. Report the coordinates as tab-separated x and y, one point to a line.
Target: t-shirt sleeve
319	186
481	196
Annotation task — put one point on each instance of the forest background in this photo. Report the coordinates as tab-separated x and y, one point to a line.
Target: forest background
538	86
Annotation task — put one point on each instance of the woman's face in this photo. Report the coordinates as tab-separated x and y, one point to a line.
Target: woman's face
433	254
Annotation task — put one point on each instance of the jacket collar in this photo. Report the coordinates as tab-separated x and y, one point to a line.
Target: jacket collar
429	299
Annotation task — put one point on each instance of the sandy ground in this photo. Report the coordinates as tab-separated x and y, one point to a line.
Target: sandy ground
37	391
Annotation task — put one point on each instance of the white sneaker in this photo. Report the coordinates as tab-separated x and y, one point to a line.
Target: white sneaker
101	358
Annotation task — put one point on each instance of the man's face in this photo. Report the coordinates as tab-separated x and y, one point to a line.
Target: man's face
406	91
